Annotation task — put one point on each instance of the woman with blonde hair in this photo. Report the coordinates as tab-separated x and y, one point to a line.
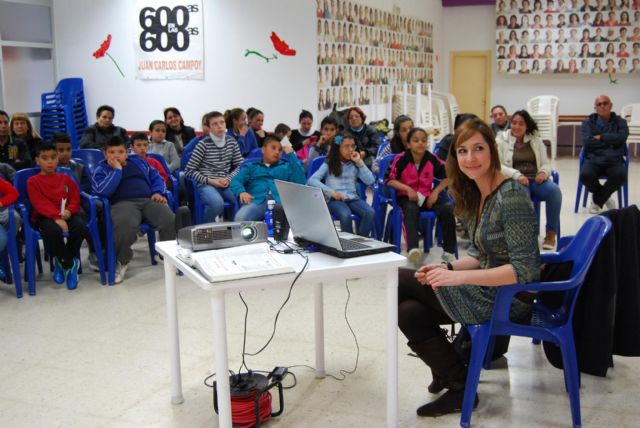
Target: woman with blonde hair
22	128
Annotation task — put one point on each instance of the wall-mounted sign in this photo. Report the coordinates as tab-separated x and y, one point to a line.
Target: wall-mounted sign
169	39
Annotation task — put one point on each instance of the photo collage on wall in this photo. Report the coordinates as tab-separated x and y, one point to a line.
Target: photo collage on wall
365	55
572	36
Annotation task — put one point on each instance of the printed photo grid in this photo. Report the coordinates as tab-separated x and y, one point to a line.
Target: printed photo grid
365	55
572	36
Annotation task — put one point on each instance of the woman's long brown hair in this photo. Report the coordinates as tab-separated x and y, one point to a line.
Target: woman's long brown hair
464	190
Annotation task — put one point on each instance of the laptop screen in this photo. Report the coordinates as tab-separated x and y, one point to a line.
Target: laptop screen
308	214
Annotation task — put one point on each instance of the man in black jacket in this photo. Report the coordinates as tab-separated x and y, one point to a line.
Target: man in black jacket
604	138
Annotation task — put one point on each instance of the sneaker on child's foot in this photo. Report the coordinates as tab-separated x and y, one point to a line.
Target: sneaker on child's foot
415	256
93	262
72	275
611	203
58	271
448	257
594	208
121	269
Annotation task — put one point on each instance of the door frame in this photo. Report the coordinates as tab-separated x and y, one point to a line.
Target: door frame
488	56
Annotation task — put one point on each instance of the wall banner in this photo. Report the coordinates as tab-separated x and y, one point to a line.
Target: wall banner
169	39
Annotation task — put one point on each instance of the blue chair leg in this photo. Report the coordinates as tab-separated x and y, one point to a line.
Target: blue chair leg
479	342
579	193
572	377
14	273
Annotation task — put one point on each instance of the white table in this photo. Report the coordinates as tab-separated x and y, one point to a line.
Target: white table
322	269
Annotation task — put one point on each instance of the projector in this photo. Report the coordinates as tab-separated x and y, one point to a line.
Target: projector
212	236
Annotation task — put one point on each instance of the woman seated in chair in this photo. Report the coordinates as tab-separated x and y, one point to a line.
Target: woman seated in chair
524	158
341	171
504	250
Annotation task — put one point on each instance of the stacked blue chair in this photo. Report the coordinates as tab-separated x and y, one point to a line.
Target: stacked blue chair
32	235
64	110
622	192
554	325
9	256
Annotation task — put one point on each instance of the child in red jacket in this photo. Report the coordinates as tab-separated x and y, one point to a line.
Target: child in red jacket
9	196
55	198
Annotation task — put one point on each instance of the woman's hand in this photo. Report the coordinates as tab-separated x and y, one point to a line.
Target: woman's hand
421	274
444	278
523	180
337	196
541	177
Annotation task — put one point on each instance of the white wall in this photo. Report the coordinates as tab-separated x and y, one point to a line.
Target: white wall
280	88
576	92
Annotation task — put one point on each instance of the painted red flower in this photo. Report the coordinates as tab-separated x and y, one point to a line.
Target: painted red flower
104	47
281	46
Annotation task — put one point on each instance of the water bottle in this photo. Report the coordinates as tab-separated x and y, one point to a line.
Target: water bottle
268	217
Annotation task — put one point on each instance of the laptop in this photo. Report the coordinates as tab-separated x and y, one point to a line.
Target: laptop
311	223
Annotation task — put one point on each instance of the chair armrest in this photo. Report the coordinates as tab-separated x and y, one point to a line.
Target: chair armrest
506	294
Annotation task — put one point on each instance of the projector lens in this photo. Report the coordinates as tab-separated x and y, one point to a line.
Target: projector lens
248	233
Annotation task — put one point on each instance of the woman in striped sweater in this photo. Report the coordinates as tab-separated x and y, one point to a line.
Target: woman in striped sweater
213	163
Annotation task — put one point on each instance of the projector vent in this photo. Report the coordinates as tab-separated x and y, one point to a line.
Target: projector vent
207	236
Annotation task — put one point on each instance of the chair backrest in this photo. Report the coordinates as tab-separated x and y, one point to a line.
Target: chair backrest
631	113
443	116
383	143
581	250
315	165
255	154
90	158
162	160
543	105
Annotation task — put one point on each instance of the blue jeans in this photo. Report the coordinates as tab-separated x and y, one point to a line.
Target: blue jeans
213	199
549	192
251	212
342	210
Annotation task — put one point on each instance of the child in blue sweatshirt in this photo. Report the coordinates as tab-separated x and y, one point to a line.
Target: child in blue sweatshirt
136	193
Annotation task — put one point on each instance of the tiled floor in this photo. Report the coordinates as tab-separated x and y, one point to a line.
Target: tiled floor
98	357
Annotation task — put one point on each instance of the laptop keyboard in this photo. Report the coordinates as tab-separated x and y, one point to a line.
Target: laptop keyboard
348	244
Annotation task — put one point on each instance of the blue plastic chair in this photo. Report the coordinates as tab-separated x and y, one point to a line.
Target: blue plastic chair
383	143
174	202
32	235
9	256
623	192
90	157
197	206
550	324
254	154
110	242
